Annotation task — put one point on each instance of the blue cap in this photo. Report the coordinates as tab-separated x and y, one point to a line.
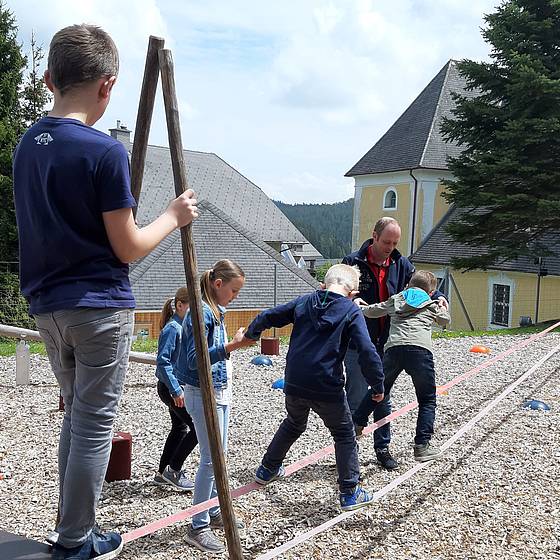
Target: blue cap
415	297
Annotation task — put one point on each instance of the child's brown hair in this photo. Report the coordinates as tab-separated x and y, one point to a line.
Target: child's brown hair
79	54
182	295
423	279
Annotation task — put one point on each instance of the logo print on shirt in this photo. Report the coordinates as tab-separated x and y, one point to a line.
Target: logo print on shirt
43	139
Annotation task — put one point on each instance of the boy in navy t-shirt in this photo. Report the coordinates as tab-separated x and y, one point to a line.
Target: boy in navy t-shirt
324	323
77	235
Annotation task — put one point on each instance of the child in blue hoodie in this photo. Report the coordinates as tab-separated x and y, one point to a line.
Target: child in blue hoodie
408	347
323	324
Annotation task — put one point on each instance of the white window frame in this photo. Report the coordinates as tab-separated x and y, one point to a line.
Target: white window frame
387	191
503	280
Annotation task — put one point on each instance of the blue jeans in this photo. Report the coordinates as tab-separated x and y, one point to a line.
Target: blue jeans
88	351
204	483
356	384
337	418
418	362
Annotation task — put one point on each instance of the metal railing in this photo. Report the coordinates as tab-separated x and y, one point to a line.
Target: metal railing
22	351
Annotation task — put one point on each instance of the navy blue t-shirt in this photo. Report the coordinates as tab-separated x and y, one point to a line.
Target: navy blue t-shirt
66	174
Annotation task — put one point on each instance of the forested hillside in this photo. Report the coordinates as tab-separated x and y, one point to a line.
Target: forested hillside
327	226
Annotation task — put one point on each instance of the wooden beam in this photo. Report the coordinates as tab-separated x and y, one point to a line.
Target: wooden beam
195	302
144	116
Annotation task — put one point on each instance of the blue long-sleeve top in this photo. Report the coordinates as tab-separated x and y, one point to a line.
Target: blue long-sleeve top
169	348
324	323
186	368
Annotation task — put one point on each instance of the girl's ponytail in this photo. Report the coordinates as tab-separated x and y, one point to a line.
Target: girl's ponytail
166	313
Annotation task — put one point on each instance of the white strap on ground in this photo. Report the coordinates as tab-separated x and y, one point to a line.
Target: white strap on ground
411	472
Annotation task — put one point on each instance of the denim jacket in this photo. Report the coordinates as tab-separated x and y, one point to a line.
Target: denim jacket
169	346
186	369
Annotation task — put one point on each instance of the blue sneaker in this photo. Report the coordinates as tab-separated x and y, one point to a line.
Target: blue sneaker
355	500
99	546
264	476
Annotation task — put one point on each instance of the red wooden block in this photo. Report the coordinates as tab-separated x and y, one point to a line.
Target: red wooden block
270	346
121	458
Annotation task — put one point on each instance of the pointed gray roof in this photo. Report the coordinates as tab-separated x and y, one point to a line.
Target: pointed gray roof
440	248
415	140
216	236
215	180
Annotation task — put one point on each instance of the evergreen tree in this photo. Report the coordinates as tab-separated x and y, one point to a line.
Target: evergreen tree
12	63
328	227
507	179
35	94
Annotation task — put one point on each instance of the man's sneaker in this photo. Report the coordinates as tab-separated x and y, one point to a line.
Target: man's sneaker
177	479
358	429
426	452
265	476
217	522
385	459
99	546
355	500
205	540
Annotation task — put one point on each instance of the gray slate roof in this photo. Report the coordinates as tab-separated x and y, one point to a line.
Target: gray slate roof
217	236
439	248
213	179
415	141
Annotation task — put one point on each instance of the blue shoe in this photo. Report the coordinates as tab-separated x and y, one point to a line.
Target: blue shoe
99	546
355	500
264	476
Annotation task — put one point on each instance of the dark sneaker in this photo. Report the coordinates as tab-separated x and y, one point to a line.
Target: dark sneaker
217	522
358	430
385	459
426	452
52	537
264	476
205	540
177	479
99	546
355	500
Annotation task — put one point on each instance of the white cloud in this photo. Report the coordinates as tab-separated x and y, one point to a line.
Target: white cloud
291	93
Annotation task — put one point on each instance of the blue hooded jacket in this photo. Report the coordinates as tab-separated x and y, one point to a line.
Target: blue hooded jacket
324	322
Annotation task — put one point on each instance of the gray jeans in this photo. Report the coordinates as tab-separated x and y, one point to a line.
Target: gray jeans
88	351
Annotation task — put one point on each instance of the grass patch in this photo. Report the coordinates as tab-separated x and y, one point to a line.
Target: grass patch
8	347
497	332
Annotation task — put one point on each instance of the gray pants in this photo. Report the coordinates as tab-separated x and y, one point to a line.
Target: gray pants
88	351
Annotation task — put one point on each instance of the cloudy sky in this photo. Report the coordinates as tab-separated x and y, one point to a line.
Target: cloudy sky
290	93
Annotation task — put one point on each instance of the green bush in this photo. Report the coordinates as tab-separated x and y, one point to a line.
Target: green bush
14	310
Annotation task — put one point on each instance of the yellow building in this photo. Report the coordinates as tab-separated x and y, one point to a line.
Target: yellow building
401	176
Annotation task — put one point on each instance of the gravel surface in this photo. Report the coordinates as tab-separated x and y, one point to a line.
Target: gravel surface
494	495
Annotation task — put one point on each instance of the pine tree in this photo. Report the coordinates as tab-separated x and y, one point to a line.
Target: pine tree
507	179
35	94
12	63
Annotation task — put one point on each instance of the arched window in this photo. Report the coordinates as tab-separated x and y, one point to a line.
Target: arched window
390	200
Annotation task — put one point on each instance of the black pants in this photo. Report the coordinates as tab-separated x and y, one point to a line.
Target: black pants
337	418
419	364
182	437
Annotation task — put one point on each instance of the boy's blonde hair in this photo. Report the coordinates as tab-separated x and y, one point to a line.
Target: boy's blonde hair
343	275
79	54
423	279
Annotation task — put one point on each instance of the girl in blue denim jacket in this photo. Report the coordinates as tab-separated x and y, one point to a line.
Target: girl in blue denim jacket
219	286
181	440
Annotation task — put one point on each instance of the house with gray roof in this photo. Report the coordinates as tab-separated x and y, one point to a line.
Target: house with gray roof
237	221
401	176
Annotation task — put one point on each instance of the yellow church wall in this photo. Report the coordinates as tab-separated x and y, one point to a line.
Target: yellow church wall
371	209
419	213
475	288
440	206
